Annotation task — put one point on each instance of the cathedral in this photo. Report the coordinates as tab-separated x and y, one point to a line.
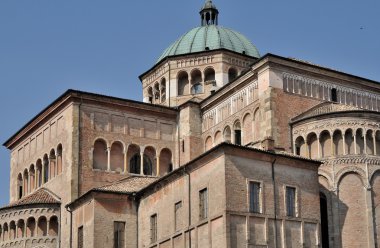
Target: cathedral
228	148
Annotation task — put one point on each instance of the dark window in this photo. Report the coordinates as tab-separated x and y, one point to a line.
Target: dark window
80	237
150	99
177	215
291	201
183	146
254	197
20	192
298	150
324	221
334	95
238	137
203	204
153	228
119	233
135	164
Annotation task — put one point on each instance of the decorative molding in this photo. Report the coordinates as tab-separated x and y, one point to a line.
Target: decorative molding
298	84
230	106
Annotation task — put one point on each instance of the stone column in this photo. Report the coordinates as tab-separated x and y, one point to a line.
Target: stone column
43	174
319	147
108	158
126	159
158	165
374	142
344	142
365	141
355	144
141	163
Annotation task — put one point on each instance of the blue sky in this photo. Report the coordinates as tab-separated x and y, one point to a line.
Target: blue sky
102	46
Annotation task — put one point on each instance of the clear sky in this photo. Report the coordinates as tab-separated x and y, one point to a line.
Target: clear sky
102	46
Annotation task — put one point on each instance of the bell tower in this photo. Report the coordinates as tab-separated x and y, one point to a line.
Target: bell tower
209	14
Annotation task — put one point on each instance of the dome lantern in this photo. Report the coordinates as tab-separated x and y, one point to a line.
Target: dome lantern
209	14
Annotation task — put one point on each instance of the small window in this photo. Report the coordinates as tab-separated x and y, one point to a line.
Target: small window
298	150
334	95
177	215
203	204
291	201
254	197
119	234
183	145
80	237
238	137
153	228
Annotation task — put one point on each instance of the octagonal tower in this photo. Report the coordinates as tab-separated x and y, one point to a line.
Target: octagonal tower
198	63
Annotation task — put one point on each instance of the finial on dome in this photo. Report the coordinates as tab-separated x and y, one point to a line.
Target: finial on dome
209	14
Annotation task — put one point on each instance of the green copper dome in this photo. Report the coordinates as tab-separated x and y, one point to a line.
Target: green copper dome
211	37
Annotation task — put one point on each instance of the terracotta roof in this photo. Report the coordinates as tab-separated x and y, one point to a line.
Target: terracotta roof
41	196
128	185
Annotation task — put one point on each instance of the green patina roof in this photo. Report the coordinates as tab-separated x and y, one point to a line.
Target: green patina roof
211	36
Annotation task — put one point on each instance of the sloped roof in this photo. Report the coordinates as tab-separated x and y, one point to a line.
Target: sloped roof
325	108
41	196
127	185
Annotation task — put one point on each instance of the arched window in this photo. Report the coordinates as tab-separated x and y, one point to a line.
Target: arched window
209	75
163	90
133	157
52	164
156	92
196	82
100	155
349	140
20	229
232	74
135	164
150	161
31	227
12	230
312	142
218	138
20	188
53	226
5	232
59	159
46	168
183	83
338	143
227	134
166	165
237	133
256	125
208	143
325	140
150	94
117	157
39	172
42	226
369	142
247	129
300	147
360	141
